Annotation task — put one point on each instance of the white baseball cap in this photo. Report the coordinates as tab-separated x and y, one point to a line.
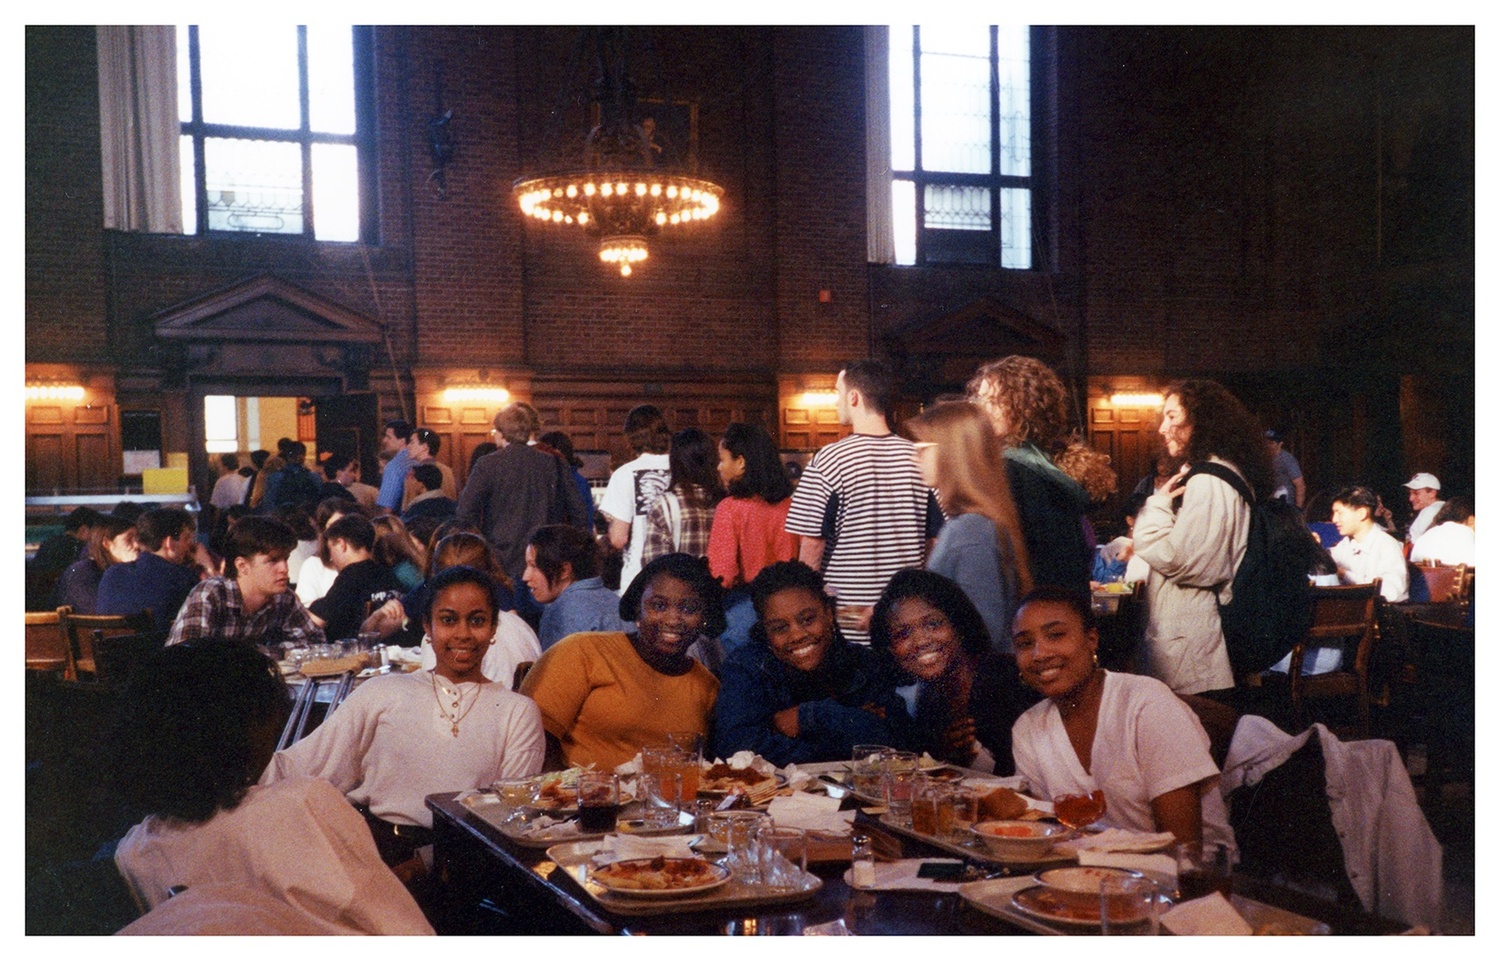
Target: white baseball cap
1424	480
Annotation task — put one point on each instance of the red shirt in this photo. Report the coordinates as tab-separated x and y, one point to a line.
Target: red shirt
747	535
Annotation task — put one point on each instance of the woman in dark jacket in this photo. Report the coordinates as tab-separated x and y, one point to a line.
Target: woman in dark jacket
798	692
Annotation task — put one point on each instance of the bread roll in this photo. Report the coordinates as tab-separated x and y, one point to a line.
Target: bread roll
1002	804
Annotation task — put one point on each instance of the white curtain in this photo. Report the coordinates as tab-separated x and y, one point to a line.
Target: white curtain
139	128
880	233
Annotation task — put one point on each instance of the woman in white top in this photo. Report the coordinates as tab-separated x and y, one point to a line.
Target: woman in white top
201	722
1126	735
402	737
1450	539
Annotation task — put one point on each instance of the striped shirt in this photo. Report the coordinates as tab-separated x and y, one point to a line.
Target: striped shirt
865	497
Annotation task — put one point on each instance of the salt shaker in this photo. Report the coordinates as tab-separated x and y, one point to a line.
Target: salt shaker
862	856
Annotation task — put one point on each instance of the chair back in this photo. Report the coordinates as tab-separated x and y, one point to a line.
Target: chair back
1346	613
46	647
117	655
522	669
81	630
1447	583
1219	721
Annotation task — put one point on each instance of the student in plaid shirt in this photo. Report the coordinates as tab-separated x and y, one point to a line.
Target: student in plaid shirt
251	602
682	516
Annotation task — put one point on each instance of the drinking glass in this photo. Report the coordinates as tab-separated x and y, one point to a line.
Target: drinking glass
737	830
783	856
658	809
514	793
1079	810
1203	868
1129	905
965	812
598	802
688	763
898	782
866	766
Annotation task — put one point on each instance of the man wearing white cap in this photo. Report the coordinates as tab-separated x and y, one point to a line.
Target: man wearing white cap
1422	491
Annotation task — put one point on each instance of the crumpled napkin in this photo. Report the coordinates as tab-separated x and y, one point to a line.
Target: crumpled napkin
549	827
628	847
1207	915
811	812
796	778
1120	839
403	655
902	876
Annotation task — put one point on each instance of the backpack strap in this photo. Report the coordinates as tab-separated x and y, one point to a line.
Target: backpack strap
1227	476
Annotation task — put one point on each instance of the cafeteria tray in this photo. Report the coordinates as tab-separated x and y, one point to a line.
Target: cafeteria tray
488	808
575	857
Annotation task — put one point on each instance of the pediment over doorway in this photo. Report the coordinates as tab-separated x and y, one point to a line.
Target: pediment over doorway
264	308
940	350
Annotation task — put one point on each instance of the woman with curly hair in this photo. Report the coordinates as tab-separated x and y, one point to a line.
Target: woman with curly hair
198	726
1028	408
1193	535
981	546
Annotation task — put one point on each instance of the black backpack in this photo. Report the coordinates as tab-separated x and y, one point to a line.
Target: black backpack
1272	604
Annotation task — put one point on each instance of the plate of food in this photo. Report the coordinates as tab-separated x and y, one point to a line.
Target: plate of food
660	877
1058	906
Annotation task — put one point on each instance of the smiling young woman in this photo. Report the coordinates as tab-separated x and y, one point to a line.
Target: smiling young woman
605	695
401	737
798	692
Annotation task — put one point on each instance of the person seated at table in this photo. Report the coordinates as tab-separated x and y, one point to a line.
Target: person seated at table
401	737
396	548
514	642
1116	560
1367	552
430	500
799	692
968	694
606	695
1450	539
316	575
111	541
562	570
159	579
361	581
199	722
1127	735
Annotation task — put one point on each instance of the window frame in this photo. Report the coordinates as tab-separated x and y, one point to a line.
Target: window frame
362	139
994	180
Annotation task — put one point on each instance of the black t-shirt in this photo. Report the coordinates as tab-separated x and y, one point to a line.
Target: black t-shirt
343	607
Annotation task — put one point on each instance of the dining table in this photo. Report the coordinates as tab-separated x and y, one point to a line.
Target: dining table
490	884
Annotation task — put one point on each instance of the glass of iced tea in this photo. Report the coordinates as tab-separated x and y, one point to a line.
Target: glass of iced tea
687	763
1079	810
598	802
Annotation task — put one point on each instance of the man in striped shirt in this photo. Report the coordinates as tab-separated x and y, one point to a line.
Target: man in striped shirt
861	508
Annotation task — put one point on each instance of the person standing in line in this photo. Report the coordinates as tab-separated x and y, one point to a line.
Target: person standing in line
1286	472
1027	405
682	516
861	508
635	486
393	477
1194	545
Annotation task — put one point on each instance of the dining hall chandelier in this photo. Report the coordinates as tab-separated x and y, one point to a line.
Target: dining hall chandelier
621	186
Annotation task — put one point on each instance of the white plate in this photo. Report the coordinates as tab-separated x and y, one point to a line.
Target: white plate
718	876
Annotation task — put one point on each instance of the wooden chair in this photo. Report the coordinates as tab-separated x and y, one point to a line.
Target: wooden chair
1347	617
522	669
1447	584
116	655
1219	721
82	629
46	646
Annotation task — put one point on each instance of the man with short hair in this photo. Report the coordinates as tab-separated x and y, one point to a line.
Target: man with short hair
1286	472
422	448
362	581
432	502
161	576
1422	492
334	466
393	478
635	486
251	602
861	508
1367	552
513	491
231	487
56	554
294	485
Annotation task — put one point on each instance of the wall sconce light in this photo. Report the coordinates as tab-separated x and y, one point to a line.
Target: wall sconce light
1136	399
72	392
493	396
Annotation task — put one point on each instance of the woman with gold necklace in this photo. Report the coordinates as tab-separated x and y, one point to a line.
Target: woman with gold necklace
402	737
